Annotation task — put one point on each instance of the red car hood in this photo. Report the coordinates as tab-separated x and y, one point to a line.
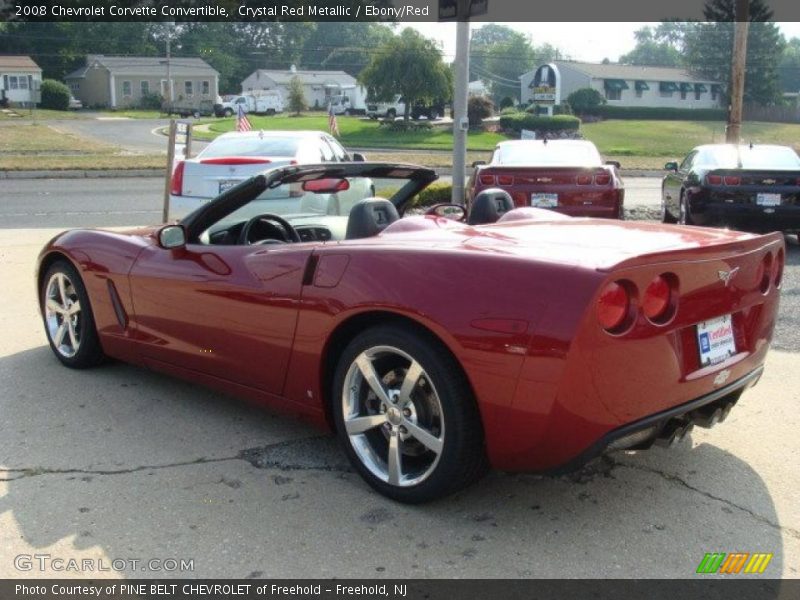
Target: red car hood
589	243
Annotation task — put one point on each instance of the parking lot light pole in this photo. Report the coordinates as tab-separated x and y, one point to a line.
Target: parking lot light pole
460	121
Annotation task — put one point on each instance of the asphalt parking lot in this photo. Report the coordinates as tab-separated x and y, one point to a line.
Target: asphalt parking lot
119	463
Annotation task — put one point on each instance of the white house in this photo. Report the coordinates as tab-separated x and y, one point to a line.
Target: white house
19	78
318	86
620	85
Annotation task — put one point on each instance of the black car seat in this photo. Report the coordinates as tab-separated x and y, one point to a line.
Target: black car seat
369	217
489	205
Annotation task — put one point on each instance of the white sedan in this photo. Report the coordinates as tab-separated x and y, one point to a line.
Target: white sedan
236	156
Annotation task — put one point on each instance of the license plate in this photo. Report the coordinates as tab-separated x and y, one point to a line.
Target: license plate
715	340
768	199
544	200
227	184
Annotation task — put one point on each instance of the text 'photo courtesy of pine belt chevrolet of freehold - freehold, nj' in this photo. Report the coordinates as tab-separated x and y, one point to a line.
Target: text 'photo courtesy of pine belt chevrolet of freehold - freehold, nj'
338	299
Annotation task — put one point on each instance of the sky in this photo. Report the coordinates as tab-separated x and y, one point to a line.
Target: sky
590	42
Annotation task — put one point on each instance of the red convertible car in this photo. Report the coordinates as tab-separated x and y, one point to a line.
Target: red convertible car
434	347
567	176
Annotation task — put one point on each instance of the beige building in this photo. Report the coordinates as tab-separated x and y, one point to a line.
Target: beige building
19	78
122	81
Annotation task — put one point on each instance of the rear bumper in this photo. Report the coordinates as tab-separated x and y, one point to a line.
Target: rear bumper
745	217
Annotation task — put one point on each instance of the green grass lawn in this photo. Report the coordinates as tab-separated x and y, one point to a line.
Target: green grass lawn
359	133
40	114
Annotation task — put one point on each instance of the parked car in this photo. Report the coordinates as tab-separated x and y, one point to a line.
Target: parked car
389	110
236	156
522	339
268	102
188	108
752	187
352	102
432	111
74	103
567	176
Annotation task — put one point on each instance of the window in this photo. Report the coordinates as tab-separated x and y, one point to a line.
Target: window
145	87
13	82
325	152
126	89
205	88
697	95
23	82
615	94
338	151
74	86
188	88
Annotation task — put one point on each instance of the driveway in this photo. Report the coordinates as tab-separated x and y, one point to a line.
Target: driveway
121	463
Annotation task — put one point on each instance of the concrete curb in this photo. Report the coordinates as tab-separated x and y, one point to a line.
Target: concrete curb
97	174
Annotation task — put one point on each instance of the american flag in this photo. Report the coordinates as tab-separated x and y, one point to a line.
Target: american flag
333	126
242	123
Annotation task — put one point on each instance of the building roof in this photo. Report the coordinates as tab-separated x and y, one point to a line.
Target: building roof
644	73
307	77
18	63
145	65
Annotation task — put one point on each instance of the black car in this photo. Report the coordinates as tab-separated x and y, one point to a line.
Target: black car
752	187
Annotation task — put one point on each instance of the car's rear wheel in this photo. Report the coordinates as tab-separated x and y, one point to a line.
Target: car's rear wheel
406	416
228	112
68	319
391	113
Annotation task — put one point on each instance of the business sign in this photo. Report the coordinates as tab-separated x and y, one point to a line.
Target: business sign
544	85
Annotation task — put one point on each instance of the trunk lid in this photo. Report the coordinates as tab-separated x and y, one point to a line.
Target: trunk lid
207	178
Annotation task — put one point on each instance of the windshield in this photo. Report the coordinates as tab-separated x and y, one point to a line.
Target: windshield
251	146
780	158
552	154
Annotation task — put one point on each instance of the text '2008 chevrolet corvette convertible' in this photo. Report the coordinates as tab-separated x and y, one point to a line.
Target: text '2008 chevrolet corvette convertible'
434	347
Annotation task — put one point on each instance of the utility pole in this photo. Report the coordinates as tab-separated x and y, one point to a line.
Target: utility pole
734	129
460	121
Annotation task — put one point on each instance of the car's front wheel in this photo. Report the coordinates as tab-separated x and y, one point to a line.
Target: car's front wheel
68	318
406	416
684	217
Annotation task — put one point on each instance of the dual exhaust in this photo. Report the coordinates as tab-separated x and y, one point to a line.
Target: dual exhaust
706	416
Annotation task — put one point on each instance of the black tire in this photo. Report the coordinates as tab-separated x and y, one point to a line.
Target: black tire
462	459
391	113
228	112
89	352
685	218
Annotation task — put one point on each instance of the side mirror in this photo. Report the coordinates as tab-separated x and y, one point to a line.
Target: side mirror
614	163
478	163
671	166
358	157
172	236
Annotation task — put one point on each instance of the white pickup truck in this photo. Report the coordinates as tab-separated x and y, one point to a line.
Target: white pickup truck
390	110
262	103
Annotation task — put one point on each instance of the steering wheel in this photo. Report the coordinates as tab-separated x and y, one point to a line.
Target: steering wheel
289	231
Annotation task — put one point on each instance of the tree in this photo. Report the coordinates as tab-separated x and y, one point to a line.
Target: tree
408	64
297	96
584	101
55	95
709	49
503	64
789	67
650	51
478	109
343	46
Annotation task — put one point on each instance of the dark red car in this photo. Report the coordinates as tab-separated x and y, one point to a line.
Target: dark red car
567	176
433	347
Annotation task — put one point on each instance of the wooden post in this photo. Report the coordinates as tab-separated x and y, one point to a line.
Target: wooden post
170	160
734	129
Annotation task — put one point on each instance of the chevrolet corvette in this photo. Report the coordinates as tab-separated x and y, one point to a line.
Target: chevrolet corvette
437	345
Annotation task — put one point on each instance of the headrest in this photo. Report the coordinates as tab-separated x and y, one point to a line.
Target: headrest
489	205
369	217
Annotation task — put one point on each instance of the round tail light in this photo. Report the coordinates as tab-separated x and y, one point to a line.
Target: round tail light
614	306
658	300
779	262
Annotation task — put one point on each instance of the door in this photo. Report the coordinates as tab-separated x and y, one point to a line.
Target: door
673	183
227	311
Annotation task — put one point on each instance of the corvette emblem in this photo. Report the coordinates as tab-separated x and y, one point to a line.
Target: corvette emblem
543	179
726	276
768	181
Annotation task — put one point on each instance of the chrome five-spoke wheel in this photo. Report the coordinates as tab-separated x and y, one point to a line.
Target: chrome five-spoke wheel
393	416
62	310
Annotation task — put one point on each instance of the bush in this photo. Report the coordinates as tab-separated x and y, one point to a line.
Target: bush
435	193
478	108
506	102
55	95
585	101
658	113
151	101
403	126
562	109
511	110
518	121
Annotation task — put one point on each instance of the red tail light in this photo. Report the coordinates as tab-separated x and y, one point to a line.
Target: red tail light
602	179
235	160
487	179
658	303
521	199
779	261
614	306
583	179
732	180
764	276
714	179
176	188
505	180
